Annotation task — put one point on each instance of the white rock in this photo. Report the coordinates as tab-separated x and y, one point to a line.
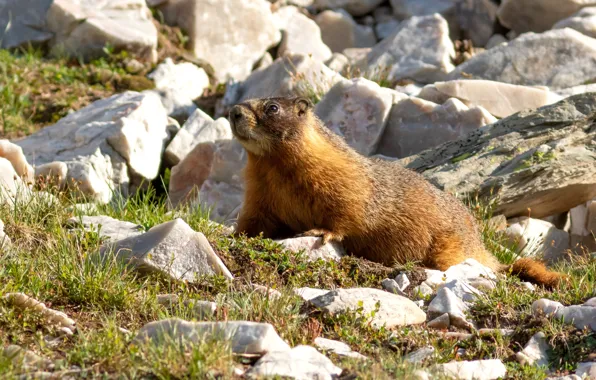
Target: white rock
423	290
104	142
558	59
309	293
220	34
337	347
53	172
447	302
583	21
4	239
301	362
385	29
392	286
590	302
405	9
462	289
476	19
568	377
171	248
23	22
496	40
12	188
82	28
111	229
529	286
394	310
545	307
402	281
441	322
419	49
14	154
537	15
313	248
473	370
420	355
535	352
266	291
499	99
354	7
469	270
340	31
583	225
200	309
581	316
587	370
222	199
357	110
26	360
301	34
533	237
245	337
415	125
338	62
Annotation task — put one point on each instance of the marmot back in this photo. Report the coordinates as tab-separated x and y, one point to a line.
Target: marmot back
302	179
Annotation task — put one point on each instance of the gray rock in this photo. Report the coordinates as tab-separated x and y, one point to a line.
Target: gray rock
537	15
473	370
84	28
476	19
532	237
218	32
26	360
535	352
313	248
558	59
108	146
405	9
301	362
423	290
420	355
590	302
354	7
415	125
23	22
392	286
109	228
393	311
447	302
587	369
358	111
385	29
338	62
340	31
441	322
581	316
245	337
172	249
200	309
419	49
309	293
462	289
402	281
337	347
496	40
301	34
503	160
583	21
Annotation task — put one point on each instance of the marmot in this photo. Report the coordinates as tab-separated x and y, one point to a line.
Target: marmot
303	179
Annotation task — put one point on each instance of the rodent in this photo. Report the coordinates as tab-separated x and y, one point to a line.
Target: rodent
303	179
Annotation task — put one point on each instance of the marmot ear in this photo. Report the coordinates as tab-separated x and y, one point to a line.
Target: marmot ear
302	105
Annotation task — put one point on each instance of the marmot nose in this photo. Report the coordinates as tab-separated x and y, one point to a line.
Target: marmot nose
236	113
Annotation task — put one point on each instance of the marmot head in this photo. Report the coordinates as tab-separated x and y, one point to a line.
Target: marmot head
263	125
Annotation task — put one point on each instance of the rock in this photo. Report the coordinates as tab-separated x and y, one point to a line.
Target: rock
336	347
545	307
581	316
84	28
537	15
415	125
473	370
340	31
529	286
178	85
405	9
419	49
22	22
502	160
583	226
12	188
447	302
354	7
245	337
222	200
558	59
462	289
590	302
490	95
103	143
533	237
496	40
200	309
357	110
576	90
309	293
54	173
301	34
394	310
423	290
313	249
266	291
535	352
172	249
357	55
4	239
338	63
441	322
392	286
292	74
218	32
476	19
498	223
301	362
587	370
109	228
199	128
26	360
568	377
385	29
402	281
51	317
14	154
420	355
583	21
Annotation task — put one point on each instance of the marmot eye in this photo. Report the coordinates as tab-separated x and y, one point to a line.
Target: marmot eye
273	108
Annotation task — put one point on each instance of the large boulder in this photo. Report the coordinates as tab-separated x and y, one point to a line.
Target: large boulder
231	35
107	146
558	59
542	160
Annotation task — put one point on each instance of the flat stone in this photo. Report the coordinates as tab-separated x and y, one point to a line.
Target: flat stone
339	31
583	21
309	293
23	22
558	59
337	347
473	370
394	310
535	352
415	125
447	302
419	49
245	337
441	322
358	111
532	237
172	249
301	362
499	99
420	355
301	34
103	143
354	7
313	248
109	228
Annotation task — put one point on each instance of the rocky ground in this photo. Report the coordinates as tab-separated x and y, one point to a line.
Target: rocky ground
121	183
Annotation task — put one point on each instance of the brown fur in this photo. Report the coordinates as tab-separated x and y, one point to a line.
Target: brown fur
303	179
